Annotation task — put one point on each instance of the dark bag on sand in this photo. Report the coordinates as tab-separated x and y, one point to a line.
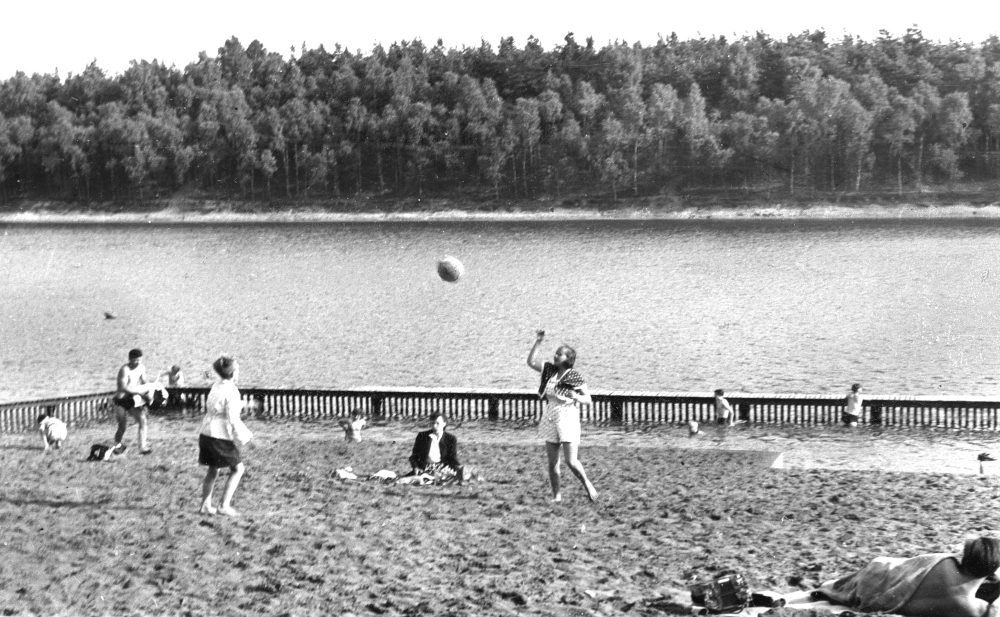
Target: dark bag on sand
726	593
99	453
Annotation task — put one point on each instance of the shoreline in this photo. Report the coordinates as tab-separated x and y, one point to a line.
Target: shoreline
225	214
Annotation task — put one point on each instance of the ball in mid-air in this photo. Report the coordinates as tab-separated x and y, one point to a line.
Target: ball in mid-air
450	269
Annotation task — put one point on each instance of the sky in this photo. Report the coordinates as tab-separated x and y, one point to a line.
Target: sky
65	36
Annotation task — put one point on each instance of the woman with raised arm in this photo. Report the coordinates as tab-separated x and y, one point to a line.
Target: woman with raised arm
563	390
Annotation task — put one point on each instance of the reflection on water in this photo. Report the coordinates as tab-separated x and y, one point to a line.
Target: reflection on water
754	306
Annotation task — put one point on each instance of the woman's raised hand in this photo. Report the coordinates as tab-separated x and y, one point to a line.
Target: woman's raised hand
539	336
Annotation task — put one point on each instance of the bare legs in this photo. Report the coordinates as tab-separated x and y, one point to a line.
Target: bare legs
569	453
122	416
552	450
208	486
141	417
143	430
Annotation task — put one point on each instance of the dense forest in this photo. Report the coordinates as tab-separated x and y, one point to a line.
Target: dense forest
678	117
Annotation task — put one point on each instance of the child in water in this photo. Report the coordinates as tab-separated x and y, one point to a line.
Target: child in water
852	412
723	410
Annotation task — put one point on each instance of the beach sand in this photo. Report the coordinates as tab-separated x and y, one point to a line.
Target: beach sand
219	212
125	538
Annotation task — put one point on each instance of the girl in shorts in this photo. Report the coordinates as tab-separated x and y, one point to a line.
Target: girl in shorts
563	390
221	430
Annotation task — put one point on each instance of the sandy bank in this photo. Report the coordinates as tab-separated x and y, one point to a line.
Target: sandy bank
222	214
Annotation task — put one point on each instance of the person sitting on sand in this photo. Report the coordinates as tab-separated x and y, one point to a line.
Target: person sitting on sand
352	426
853	411
925	586
435	451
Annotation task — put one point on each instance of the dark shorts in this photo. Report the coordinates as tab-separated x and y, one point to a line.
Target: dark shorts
217	452
126	402
848	419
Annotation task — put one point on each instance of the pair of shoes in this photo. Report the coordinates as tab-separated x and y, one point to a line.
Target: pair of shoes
985	456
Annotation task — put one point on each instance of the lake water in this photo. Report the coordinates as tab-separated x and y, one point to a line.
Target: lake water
904	307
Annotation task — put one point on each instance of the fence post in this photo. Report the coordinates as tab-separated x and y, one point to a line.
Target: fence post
377	406
493	411
744	411
617	410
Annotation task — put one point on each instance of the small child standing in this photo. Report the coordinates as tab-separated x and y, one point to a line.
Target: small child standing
175	377
853	411
723	410
352	426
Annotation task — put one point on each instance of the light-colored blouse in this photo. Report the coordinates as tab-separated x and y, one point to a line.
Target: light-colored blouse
854	400
222	414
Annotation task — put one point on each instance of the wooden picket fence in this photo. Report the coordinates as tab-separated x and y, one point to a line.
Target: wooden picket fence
460	404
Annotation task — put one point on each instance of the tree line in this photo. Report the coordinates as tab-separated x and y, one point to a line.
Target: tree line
678	116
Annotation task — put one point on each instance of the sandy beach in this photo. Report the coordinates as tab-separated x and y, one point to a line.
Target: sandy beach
217	212
125	538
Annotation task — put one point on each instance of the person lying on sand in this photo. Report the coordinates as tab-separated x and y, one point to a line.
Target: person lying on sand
924	586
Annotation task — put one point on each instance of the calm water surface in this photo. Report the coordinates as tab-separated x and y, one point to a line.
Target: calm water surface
754	306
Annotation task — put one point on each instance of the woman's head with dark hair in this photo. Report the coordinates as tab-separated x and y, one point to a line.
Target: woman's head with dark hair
225	367
856	387
438	422
981	556
565	356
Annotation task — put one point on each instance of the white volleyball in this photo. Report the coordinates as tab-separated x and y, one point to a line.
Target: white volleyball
450	269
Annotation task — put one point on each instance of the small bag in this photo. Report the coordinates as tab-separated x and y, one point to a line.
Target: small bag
726	593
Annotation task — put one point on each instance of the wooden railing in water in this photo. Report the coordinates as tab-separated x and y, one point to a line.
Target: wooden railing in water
610	407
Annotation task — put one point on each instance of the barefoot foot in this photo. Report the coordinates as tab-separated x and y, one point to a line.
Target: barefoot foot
228	511
207	510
